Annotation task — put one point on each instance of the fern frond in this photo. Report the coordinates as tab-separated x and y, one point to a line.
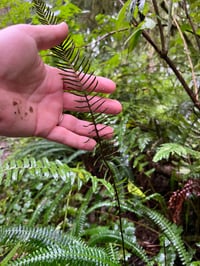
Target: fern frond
112	236
75	256
75	69
45	14
172	232
54	204
168	149
13	170
43	204
53	248
40	148
40	236
112	251
81	217
75	72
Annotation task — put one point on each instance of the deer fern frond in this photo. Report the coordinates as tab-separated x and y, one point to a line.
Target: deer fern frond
169	229
44	12
75	72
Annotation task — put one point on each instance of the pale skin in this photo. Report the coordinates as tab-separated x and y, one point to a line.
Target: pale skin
33	96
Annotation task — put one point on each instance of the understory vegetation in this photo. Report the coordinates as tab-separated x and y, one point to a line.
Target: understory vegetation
135	199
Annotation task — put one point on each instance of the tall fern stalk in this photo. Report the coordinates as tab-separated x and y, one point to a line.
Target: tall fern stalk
75	72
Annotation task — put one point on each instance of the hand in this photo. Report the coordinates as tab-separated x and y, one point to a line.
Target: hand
33	95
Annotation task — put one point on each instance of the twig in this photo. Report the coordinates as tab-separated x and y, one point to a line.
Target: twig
111	33
101	38
162	37
189	59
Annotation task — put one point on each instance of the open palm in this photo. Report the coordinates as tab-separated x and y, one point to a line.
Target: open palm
33	95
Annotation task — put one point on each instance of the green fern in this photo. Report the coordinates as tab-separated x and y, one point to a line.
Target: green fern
172	232
71	255
112	236
105	235
75	71
13	170
112	251
52	247
80	219
40	148
168	149
50	212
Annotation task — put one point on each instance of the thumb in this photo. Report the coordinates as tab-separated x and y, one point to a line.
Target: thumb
46	36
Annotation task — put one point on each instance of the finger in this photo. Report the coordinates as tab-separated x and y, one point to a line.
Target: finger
81	81
46	36
99	105
66	137
85	128
105	85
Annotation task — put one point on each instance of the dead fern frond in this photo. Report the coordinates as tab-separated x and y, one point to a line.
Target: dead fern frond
176	201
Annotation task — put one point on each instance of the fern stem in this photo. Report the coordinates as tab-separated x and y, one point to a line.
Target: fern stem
112	177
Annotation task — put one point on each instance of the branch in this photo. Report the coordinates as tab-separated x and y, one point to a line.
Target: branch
162	37
169	26
171	64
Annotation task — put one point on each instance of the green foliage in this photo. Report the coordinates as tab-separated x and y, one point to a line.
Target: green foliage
78	226
168	149
104	236
52	248
14	12
156	148
171	231
16	169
